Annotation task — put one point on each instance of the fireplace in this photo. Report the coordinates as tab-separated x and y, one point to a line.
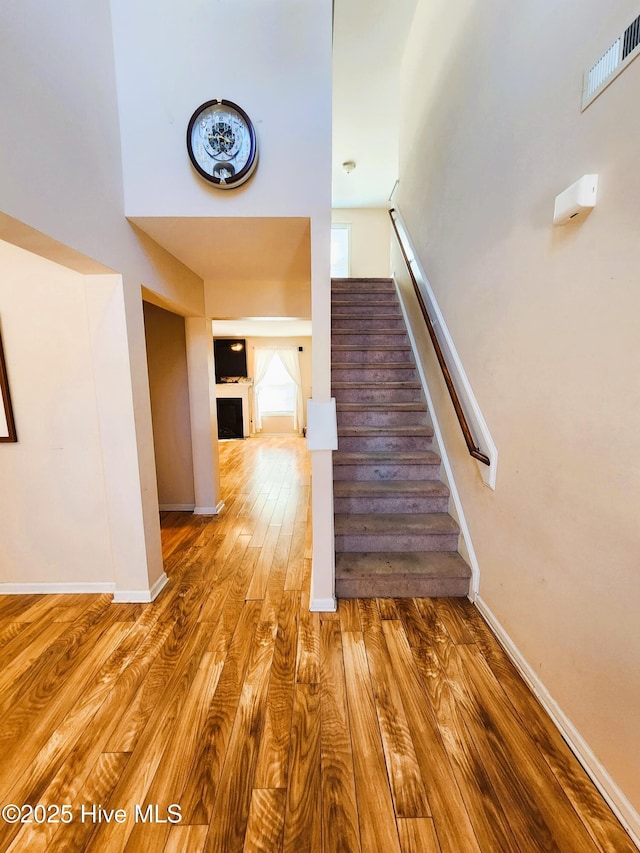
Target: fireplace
230	423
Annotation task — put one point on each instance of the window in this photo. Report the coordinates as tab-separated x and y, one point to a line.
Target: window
340	240
276	392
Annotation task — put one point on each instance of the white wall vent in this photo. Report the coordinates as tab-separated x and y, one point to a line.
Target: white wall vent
623	51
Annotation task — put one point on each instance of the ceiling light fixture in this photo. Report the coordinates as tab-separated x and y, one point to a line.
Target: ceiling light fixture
349	166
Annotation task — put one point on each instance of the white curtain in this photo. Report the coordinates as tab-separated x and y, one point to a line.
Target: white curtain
291	361
262	360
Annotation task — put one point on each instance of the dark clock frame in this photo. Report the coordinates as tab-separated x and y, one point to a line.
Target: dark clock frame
239	177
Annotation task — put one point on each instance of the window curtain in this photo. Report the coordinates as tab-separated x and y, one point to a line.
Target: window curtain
291	362
262	360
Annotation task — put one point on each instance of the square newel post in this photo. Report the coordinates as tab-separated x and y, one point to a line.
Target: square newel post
321	425
204	421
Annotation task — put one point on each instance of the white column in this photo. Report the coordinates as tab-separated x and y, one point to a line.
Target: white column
204	419
124	411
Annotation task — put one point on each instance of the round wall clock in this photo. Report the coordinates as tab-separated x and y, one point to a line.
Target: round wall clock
221	142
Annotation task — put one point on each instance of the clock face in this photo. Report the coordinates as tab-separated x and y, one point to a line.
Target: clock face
221	142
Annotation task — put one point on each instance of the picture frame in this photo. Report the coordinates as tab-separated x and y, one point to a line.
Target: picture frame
7	423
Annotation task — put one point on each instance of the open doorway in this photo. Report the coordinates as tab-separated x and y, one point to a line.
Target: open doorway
169	391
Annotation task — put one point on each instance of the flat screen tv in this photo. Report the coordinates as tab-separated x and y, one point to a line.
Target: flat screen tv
231	359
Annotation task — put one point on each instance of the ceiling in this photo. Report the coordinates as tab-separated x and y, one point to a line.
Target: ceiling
369	38
223	249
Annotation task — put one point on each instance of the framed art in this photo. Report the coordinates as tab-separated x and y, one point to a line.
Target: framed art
7	425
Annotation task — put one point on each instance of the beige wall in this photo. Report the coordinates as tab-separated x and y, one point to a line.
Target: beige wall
370	240
169	389
545	321
54	524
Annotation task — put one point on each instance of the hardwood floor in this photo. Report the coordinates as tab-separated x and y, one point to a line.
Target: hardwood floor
391	726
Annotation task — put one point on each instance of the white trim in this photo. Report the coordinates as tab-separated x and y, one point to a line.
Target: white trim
141	596
323	605
601	778
468	401
209	510
453	489
55	588
177	507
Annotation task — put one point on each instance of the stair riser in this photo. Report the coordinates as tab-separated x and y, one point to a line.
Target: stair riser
372	339
395	587
362	472
378	395
388	418
395	542
397	503
363	355
360	444
374	374
370	309
366	323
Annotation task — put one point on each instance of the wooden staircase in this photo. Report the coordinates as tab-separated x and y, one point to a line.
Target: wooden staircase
393	532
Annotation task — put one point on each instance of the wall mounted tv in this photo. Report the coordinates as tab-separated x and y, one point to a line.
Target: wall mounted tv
231	359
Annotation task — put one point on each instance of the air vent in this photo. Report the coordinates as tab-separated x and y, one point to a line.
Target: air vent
631	37
611	63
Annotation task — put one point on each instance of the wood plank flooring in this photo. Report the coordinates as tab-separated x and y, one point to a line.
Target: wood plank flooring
391	726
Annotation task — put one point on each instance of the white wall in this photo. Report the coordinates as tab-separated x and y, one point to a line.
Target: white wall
54	521
57	71
545	321
169	389
370	236
62	198
269	56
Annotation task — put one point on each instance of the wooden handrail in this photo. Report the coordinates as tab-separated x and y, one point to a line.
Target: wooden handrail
473	448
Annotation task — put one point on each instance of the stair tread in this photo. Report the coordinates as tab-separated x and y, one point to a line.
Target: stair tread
368	365
409	563
382	524
355	284
369	488
375	457
383	347
391	302
379	383
382	407
368	331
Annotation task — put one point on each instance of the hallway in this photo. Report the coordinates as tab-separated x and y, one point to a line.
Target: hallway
391	726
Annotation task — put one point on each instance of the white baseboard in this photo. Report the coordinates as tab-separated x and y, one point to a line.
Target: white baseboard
177	507
55	588
141	596
209	510
620	805
323	605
